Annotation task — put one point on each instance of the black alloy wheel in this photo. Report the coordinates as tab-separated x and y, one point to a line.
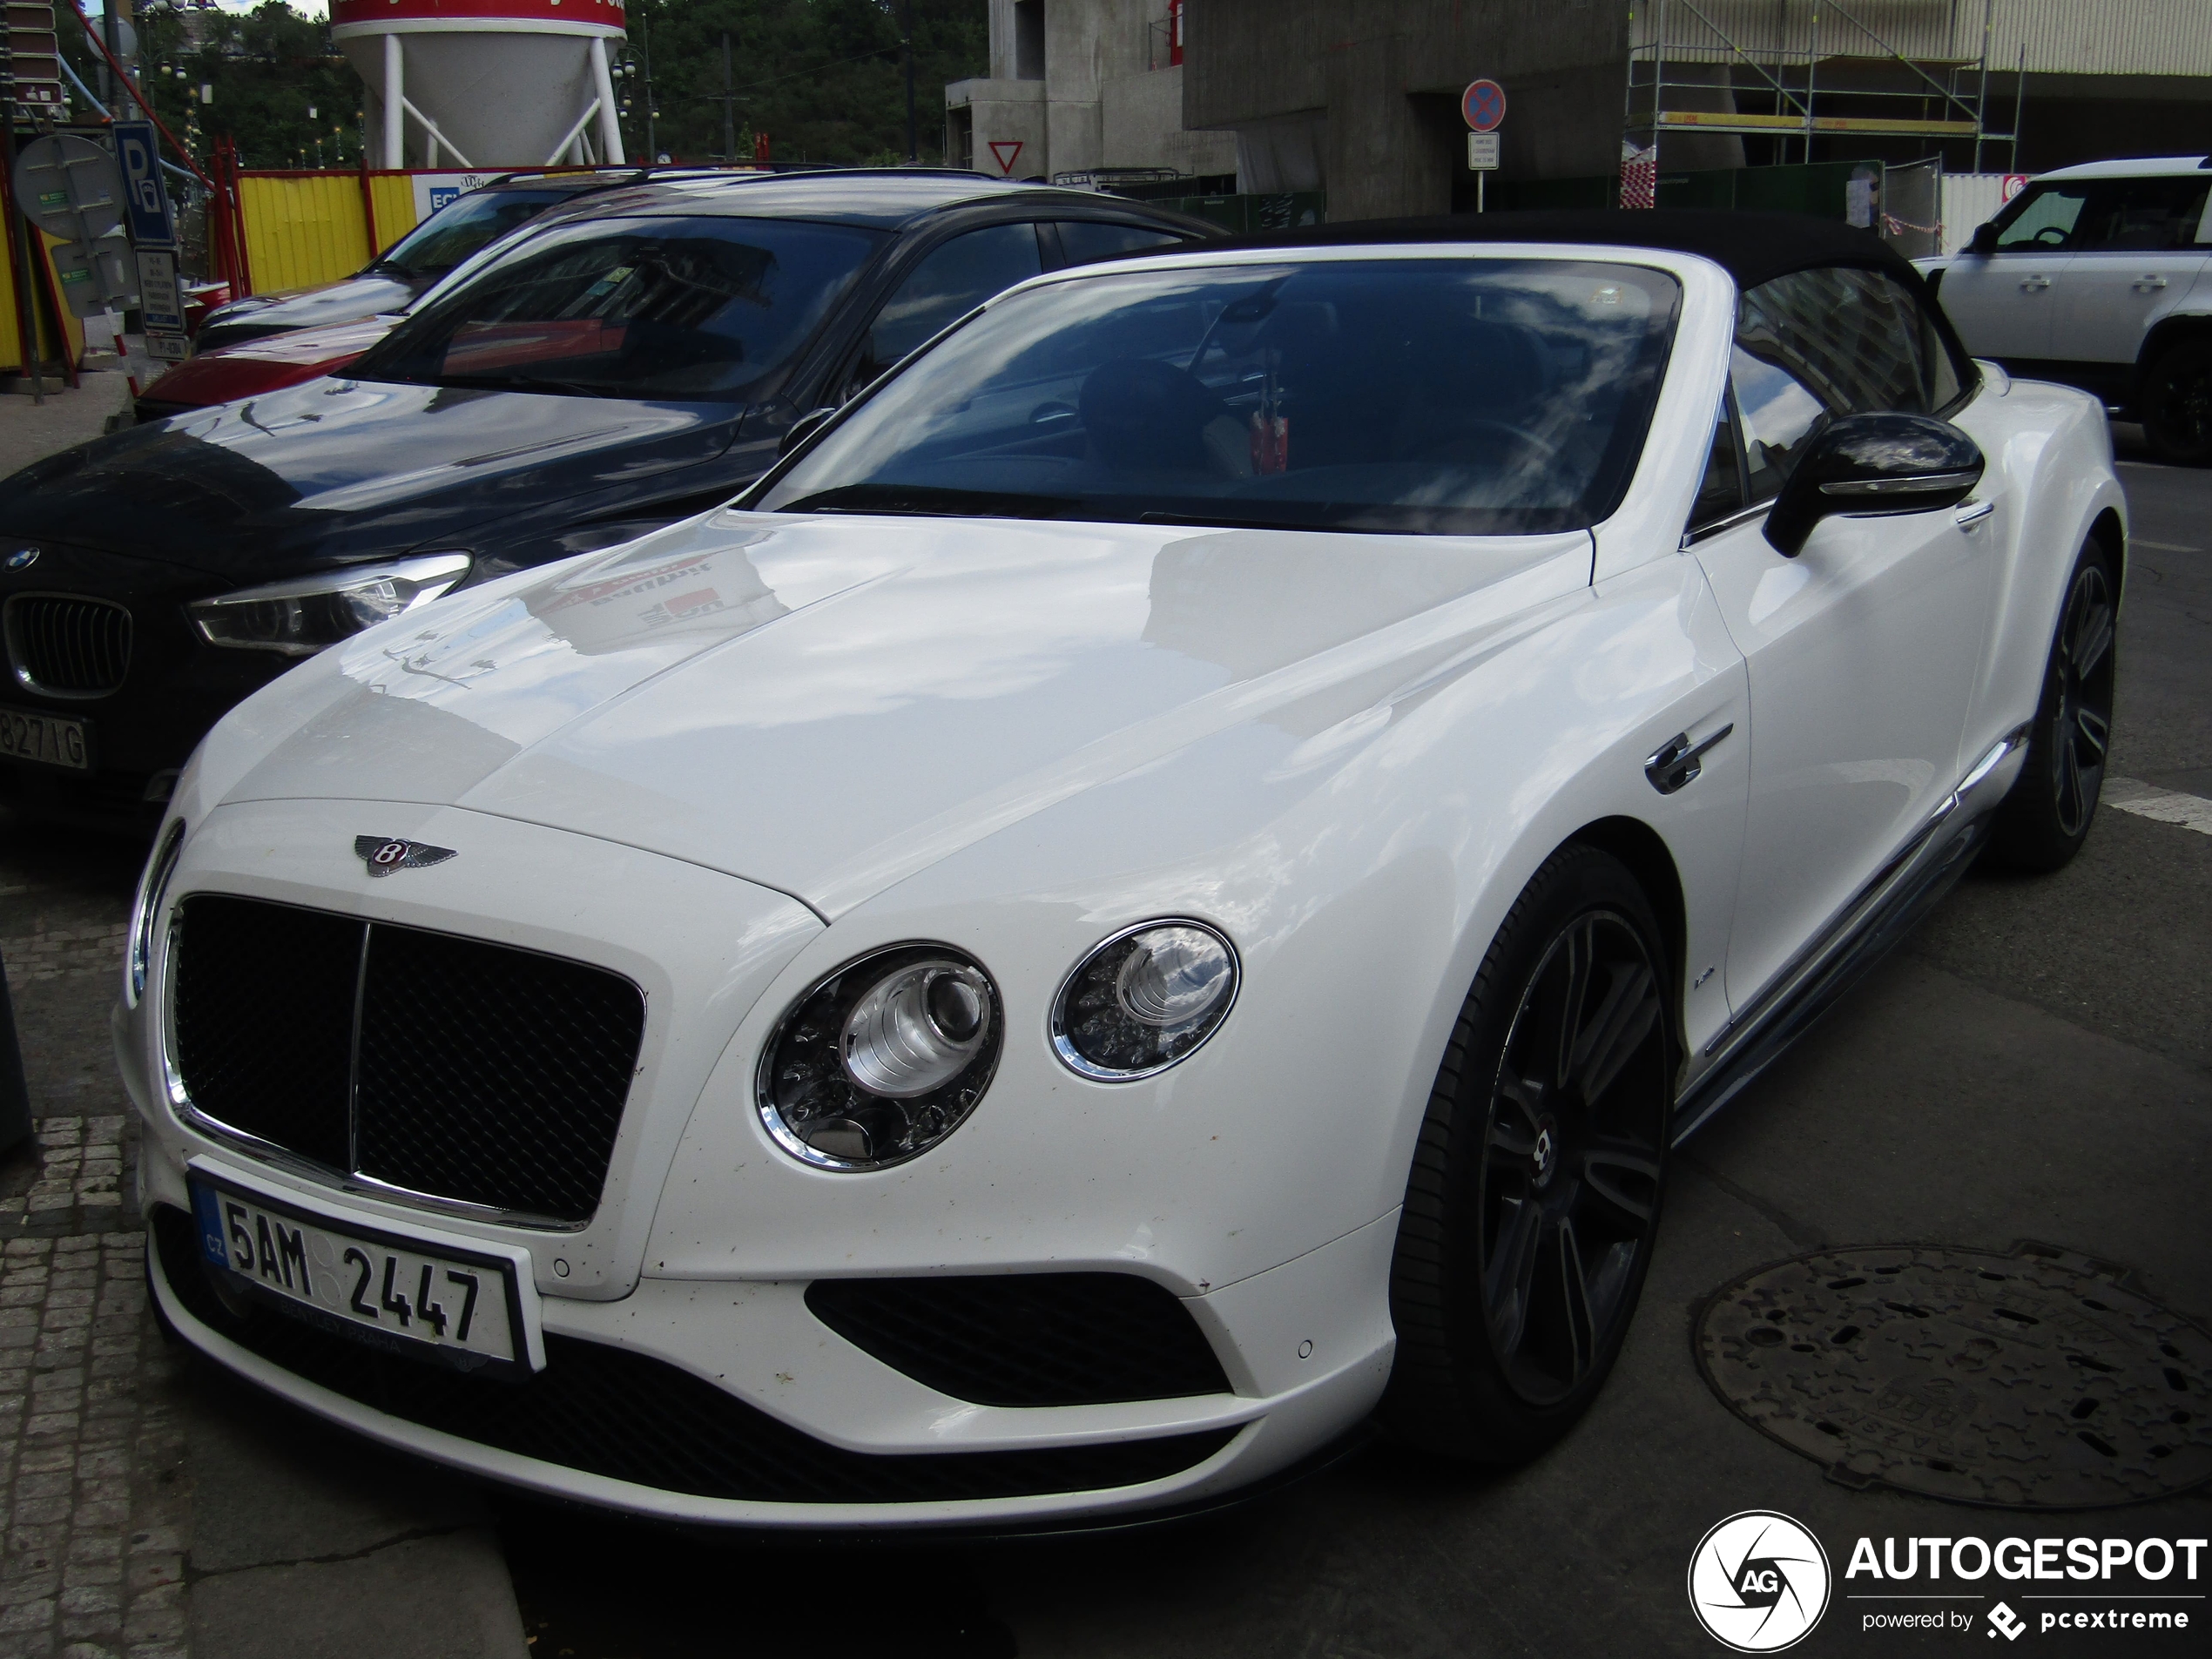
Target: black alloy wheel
1535	1194
1570	1175
2047	817
2177	405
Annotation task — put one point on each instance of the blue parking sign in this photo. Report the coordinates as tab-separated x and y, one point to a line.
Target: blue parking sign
152	224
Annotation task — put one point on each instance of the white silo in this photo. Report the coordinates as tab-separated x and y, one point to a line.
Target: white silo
485	83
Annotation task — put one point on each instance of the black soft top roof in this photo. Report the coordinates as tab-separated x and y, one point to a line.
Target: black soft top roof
1753	247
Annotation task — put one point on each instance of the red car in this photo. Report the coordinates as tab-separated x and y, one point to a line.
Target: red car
258	365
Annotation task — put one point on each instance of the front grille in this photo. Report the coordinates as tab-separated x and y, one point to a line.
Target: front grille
447	1067
609	1412
67	645
1026	1339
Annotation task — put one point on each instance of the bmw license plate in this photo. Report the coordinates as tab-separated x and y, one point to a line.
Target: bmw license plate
46	739
427	1300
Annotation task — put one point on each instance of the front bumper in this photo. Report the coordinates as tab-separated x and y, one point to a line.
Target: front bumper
716	1395
677	1404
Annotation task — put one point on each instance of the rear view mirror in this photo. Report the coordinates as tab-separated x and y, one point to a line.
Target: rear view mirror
1985	240
805	427
1871	466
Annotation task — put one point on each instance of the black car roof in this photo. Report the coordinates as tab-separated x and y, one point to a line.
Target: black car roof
882	197
1753	247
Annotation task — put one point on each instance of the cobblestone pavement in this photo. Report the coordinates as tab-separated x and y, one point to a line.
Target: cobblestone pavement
91	1448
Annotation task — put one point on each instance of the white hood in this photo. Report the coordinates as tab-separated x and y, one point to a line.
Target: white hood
825	705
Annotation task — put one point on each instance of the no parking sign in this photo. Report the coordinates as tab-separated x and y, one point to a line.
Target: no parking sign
1484	105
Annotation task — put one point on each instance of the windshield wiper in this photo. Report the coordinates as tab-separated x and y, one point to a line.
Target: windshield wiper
530	383
923	500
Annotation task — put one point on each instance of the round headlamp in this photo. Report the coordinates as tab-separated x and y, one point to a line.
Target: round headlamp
882	1060
1143	999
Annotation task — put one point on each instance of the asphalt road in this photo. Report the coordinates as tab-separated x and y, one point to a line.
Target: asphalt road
2035	1063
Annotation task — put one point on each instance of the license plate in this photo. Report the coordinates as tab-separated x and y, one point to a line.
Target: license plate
46	738
429	1301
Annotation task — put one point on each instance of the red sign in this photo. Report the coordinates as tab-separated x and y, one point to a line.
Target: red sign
586	17
1006	150
2014	182
1484	105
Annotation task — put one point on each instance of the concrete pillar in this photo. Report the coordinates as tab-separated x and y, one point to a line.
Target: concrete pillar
609	130
1387	157
395	113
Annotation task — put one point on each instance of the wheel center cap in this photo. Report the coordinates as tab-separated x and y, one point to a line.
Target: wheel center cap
1545	1158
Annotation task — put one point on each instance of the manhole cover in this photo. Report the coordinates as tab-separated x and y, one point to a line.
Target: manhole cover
2033	1380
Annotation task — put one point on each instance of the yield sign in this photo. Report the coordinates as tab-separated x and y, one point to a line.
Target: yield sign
1006	150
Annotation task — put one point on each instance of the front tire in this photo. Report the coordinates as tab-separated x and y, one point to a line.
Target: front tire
1535	1193
2046	818
2177	405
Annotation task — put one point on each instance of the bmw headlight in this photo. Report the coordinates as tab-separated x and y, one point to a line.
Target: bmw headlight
1144	999
299	617
882	1060
145	911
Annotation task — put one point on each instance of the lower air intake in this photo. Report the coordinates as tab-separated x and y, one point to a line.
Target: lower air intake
607	1411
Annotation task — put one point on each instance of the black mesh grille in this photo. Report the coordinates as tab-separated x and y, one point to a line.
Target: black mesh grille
265	1016
69	644
484	1074
607	1411
1026	1339
490	1074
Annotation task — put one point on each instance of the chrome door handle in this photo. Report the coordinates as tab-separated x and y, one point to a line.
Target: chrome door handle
1972	513
1678	761
2149	283
2035	284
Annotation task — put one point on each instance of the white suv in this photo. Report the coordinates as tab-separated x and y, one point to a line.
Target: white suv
2100	276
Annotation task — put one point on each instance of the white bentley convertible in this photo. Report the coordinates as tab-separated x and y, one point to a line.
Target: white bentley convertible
1159	891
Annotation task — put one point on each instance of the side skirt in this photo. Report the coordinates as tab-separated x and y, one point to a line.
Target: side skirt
1867	929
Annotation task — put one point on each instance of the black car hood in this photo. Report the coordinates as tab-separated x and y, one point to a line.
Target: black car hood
342	469
359	296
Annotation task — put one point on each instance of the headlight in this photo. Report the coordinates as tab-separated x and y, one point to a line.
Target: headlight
882	1060
301	617
1144	999
145	911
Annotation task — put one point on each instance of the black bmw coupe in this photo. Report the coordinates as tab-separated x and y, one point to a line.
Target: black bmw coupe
636	357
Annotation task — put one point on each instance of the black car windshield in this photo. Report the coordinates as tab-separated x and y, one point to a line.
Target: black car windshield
680	310
461	226
1441	394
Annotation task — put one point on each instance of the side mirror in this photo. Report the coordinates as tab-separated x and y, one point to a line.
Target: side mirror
805	427
1873	466
1984	241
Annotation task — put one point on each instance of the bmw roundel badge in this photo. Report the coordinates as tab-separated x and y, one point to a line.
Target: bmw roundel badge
22	558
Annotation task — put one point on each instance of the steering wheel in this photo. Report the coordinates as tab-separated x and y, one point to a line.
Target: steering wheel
2050	236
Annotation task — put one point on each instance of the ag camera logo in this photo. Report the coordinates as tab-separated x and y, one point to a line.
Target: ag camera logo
1758	1581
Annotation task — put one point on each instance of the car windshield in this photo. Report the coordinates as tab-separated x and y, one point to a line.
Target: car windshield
682	310
461	226
1448	396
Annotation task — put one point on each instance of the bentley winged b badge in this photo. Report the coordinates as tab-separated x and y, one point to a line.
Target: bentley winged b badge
385	853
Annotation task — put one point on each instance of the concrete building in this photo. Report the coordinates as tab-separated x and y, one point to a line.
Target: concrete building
1361	97
1076	86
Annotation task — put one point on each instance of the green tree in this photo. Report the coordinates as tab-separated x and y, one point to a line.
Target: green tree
822	78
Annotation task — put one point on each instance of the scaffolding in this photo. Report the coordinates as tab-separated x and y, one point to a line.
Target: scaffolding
1788	70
